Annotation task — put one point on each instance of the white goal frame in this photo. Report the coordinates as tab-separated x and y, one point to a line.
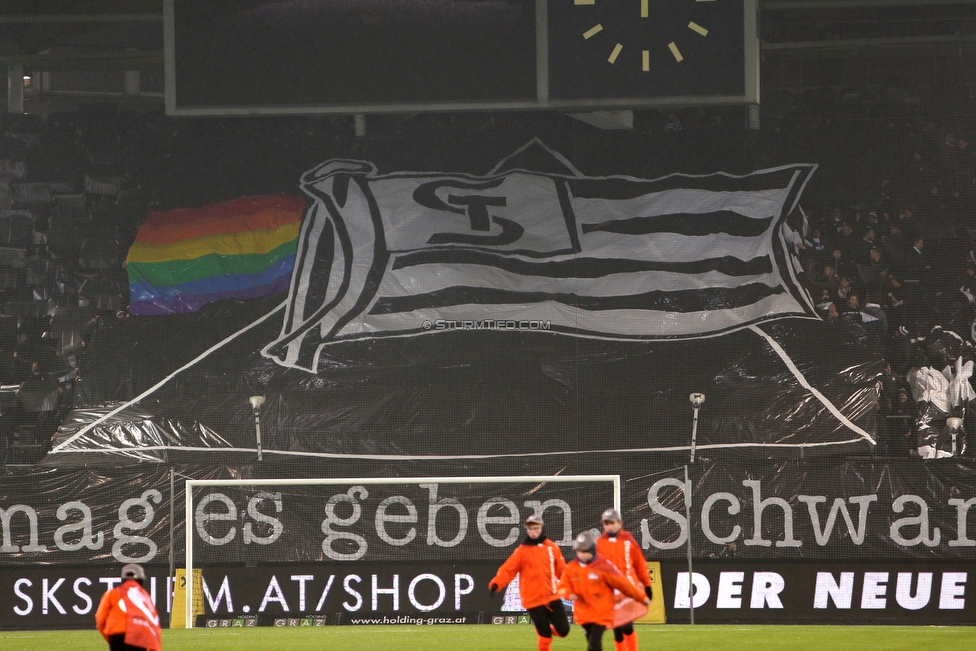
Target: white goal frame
194	483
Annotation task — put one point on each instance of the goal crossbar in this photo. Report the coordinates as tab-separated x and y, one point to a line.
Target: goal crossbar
388	481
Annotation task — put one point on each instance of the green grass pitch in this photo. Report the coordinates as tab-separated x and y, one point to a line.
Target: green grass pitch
521	638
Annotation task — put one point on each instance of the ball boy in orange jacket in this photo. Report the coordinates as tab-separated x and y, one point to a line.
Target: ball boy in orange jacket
539	564
620	548
126	616
590	581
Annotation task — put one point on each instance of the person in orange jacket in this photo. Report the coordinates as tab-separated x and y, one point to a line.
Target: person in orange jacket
590	581
620	548
126	616
539	563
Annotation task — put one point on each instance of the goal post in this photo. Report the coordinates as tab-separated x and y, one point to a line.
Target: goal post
257	522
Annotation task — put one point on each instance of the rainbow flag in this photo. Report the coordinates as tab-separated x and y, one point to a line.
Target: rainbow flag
183	259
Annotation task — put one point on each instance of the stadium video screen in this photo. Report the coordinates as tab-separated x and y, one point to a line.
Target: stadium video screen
353	52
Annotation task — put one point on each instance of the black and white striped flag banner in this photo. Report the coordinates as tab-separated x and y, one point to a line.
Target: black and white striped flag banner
613	257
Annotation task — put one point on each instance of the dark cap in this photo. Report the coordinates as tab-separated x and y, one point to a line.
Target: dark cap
585	542
133	571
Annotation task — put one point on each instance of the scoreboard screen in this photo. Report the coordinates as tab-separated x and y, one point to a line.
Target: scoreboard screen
226	57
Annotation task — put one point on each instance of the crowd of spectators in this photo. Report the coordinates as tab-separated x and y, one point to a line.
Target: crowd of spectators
67	216
902	262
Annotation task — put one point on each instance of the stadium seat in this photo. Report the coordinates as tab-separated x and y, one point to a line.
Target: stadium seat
104	302
69	201
71	341
63	187
133	206
13	256
13	148
10	169
31	193
67	319
103	186
16	228
29	308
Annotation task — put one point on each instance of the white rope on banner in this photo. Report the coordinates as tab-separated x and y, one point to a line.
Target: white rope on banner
806	385
453	457
196	360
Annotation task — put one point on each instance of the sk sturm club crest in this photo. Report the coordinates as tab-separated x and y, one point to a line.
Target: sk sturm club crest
616	257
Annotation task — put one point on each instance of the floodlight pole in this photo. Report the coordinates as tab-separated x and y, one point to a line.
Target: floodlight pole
954	424
256	403
257	431
696	402
691	601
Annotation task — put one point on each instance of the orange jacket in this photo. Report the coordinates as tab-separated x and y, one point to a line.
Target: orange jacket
110	618
592	586
625	553
539	567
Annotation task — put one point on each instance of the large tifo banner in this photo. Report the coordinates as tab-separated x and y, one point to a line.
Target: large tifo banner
848	542
398	254
529	310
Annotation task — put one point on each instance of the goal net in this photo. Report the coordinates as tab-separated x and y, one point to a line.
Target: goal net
333	547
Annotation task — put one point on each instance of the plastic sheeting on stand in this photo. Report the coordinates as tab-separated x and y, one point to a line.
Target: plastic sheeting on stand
132	436
462	395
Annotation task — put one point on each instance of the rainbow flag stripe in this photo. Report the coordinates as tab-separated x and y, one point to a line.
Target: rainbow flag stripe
183	259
